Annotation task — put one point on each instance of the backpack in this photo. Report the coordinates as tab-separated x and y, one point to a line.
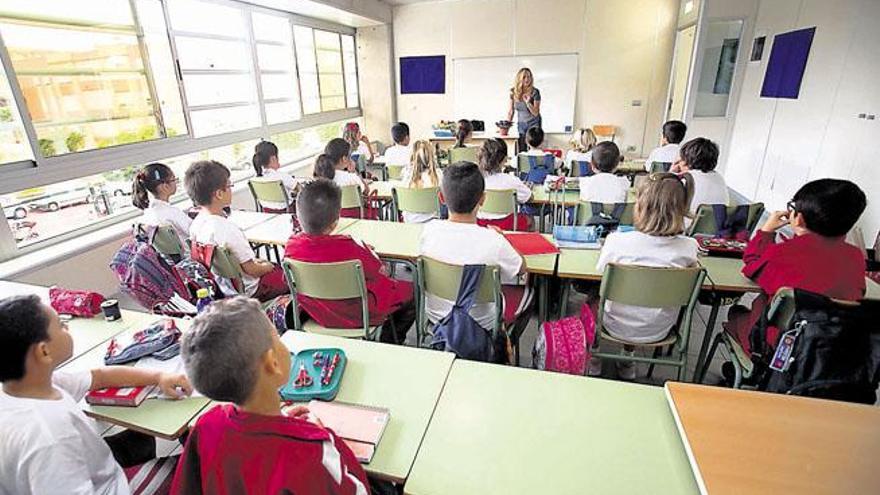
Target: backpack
143	274
731	226
828	350
608	222
195	276
459	333
538	172
563	345
280	312
583	168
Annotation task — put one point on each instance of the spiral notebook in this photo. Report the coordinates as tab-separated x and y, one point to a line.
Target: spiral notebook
360	427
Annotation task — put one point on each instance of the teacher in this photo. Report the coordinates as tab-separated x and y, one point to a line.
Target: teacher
526	100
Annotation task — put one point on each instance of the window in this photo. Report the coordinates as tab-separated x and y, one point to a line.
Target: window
13	141
81	69
296	145
349	62
275	58
331	82
308	69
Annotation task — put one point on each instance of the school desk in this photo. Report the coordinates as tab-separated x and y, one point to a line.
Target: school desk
505	430
741	441
277	231
404	380
163	418
477	139
87	333
245	219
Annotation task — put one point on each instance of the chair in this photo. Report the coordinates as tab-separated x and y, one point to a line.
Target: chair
466	154
222	265
653	288
394	172
332	281
270	191
424	200
659	167
605	131
352	198
575	167
165	240
585	211
501	202
704	219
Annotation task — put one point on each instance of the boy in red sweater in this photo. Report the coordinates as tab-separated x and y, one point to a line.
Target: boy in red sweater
233	354
816	259
390	301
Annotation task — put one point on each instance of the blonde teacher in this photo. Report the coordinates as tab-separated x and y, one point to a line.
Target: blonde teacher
525	99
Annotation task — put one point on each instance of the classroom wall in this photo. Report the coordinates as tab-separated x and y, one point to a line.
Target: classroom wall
376	81
777	144
625	49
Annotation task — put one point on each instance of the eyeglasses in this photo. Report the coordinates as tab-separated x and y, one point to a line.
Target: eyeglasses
228	186
791	206
172	180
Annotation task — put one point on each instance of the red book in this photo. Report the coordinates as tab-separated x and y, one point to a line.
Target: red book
529	243
120	396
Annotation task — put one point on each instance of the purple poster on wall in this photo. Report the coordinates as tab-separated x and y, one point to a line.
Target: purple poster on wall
423	75
788	60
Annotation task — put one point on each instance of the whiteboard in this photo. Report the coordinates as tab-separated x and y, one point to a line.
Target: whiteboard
482	88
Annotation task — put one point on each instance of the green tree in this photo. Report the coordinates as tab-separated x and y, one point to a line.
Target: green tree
47	147
75	141
5	114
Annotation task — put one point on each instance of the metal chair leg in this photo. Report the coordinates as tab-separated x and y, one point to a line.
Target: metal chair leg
657	352
700	374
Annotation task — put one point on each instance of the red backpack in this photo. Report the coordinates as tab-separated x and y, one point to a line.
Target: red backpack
564	345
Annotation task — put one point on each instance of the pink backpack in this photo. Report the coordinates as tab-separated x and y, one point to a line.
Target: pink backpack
564	345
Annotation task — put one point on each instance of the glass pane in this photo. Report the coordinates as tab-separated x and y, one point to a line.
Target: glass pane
302	143
349	62
162	66
94	95
213	89
311	104
98	11
332	85
221	120
719	63
329	62
271	28
309	86
207	54
277	86
305	49
332	103
282	111
326	40
204	17
13	141
352	100
274	57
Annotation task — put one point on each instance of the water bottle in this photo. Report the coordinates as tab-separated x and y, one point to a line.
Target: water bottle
204	299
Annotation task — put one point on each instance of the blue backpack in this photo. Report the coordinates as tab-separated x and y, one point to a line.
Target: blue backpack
459	333
538	172
583	168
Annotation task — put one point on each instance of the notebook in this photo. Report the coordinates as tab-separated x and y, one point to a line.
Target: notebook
530	243
360	427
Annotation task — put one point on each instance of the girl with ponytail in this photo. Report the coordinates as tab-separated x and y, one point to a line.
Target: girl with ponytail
423	172
360	144
463	133
266	166
158	180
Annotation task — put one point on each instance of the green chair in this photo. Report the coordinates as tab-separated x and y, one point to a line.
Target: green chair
704	219
653	288
501	202
585	211
224	265
352	198
394	172
411	200
659	167
466	154
165	240
269	191
331	281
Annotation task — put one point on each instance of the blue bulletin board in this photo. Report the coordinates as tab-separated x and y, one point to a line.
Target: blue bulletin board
788	60
423	75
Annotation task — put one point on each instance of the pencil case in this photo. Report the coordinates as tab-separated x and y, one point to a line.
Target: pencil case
309	370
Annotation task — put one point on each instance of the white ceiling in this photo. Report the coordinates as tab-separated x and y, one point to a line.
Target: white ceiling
406	2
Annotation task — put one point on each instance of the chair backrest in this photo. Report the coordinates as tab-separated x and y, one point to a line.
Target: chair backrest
270	191
379	147
443	280
360	162
167	242
412	200
704	218
352	198
660	167
585	211
331	281
395	172
224	265
580	168
501	202
466	154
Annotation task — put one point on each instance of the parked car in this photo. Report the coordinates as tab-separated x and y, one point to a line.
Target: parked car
14	211
55	202
118	188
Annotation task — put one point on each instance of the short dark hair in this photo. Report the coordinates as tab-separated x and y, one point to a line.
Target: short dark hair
24	322
325	167
606	156
674	131
337	148
492	155
830	207
203	179
221	352
462	187
399	132
534	136
317	205
700	154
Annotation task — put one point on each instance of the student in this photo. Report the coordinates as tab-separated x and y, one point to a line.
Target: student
251	445
657	241
159	181
336	165
390	301
603	186
357	142
817	258
698	158
582	143
47	444
266	166
422	173
463	133
207	183
460	241
400	153
673	134
492	157
535	140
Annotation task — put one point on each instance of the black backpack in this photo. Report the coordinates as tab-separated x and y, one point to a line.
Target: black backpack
609	222
834	349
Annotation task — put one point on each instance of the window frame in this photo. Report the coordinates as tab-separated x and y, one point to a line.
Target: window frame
42	170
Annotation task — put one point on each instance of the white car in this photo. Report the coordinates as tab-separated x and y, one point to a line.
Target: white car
14	211
55	202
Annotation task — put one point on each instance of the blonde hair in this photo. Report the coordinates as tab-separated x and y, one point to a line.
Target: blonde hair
583	140
662	204
519	87
423	160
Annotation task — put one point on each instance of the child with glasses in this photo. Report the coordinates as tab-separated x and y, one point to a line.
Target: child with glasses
158	180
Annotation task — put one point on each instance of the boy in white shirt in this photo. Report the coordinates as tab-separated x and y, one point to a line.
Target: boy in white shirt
47	444
400	153
535	140
158	180
267	168
603	186
673	135
460	241
207	183
699	157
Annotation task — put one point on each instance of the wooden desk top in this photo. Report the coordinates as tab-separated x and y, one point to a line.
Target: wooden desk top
753	442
